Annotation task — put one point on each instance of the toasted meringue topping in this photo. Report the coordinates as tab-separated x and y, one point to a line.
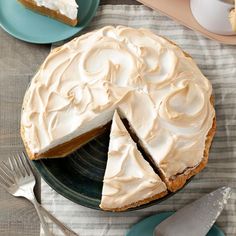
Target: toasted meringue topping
128	178
154	84
68	8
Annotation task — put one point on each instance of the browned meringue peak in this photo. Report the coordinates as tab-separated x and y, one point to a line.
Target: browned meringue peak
156	86
128	177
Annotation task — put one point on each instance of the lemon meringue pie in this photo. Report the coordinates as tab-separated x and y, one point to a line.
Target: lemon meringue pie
153	84
129	180
65	11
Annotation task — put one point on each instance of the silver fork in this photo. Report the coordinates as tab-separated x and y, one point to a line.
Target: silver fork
17	178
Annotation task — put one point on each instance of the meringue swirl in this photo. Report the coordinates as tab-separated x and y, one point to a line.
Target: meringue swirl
68	8
152	82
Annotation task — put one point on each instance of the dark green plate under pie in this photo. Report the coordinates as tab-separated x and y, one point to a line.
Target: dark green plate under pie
79	176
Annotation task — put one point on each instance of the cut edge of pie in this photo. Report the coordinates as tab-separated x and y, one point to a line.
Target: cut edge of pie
66	148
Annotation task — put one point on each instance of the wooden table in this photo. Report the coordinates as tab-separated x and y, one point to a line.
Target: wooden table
17	62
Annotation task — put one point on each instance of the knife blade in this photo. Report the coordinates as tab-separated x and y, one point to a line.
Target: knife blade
196	218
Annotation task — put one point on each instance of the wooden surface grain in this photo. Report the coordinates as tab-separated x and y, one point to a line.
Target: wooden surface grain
18	61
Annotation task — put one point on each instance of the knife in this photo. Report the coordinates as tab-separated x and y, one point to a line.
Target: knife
197	218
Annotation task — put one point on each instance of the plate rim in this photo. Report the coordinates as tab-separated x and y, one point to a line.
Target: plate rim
15	35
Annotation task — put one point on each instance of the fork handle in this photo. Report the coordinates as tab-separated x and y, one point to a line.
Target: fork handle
42	220
63	227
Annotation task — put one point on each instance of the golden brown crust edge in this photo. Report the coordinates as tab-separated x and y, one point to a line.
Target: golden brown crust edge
48	12
29	153
135	204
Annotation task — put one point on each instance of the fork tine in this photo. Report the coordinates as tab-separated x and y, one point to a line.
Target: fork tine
7	168
3	184
26	164
19	169
21	166
4	180
14	167
7	172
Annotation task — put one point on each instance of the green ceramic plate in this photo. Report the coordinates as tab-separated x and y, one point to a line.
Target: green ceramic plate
35	28
79	176
147	226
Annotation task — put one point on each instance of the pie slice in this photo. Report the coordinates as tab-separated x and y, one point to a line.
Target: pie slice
65	11
129	180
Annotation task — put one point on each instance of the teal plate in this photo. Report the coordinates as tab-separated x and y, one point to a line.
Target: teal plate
79	176
147	226
31	27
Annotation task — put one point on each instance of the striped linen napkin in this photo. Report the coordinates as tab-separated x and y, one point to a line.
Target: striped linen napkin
218	63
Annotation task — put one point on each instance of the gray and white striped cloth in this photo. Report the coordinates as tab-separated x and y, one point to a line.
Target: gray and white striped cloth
218	63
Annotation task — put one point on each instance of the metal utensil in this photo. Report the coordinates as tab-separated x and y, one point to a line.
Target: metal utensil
197	218
17	178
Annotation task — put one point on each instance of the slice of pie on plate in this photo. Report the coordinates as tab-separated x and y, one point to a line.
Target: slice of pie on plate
129	180
65	11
